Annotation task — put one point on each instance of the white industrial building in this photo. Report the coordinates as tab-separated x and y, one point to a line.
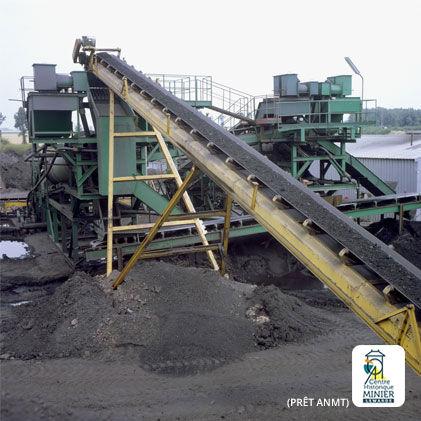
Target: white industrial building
392	158
396	159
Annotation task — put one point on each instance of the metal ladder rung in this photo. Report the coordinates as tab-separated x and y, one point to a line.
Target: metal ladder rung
150	254
135	134
144	177
197	215
150	225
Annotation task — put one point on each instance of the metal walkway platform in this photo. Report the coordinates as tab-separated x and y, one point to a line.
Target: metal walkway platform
21	195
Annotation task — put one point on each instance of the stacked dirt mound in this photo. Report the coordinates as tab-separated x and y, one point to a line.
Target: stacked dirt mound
15	173
282	318
169	319
260	260
408	244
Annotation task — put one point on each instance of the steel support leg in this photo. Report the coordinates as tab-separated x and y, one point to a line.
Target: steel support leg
158	224
186	198
110	186
226	232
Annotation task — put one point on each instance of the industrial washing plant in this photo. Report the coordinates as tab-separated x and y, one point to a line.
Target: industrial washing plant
126	164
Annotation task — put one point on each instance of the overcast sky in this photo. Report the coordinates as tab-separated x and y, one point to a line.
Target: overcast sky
241	44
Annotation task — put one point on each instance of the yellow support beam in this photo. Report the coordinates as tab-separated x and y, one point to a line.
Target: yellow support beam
153	254
408	321
14	204
110	186
158	224
150	225
144	177
134	134
200	215
226	232
186	198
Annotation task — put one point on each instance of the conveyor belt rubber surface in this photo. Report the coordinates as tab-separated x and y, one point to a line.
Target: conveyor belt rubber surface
388	264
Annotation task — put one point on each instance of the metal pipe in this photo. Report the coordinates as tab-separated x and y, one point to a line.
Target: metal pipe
64	81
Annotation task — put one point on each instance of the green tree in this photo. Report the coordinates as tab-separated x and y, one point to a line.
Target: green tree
2	118
20	123
398	117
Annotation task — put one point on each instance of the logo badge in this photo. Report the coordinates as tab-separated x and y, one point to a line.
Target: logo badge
378	375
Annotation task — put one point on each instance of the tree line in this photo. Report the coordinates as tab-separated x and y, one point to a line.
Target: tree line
398	117
20	123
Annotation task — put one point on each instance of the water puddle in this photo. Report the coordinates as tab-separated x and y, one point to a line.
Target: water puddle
20	303
14	250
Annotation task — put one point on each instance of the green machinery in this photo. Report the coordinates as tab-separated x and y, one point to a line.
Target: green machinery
303	128
301	125
301	122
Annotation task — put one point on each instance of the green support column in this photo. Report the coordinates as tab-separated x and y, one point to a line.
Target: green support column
55	225
305	165
75	241
294	164
343	160
144	156
49	220
63	233
79	173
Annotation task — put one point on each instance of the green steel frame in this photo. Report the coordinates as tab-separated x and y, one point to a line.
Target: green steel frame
293	132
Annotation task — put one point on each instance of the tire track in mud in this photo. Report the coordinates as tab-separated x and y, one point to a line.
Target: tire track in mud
254	387
187	367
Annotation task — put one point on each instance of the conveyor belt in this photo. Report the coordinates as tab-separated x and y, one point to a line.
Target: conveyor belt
390	199
391	266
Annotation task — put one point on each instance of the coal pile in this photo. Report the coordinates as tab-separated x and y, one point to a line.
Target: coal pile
282	318
15	172
168	319
408	244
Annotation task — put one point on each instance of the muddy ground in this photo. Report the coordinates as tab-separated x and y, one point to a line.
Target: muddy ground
166	318
254	387
178	343
46	265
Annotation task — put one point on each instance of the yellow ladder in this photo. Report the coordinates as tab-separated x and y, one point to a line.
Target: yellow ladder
172	175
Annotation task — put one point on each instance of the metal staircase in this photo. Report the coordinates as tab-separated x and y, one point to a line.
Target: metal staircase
229	105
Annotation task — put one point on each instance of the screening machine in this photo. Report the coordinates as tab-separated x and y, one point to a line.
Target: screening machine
106	186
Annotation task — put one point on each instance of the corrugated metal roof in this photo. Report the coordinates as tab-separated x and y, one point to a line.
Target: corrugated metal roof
386	146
